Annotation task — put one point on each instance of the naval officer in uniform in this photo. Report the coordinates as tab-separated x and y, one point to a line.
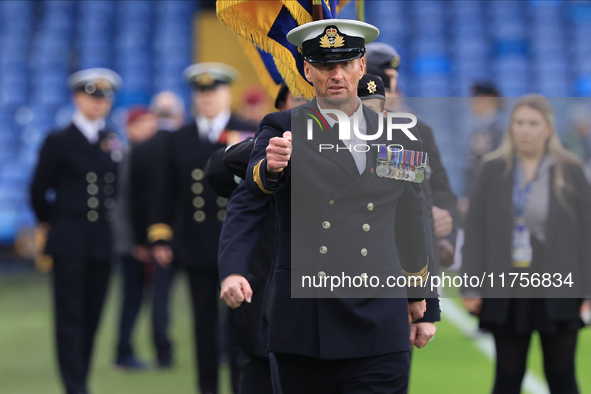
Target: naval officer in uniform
188	214
77	165
341	217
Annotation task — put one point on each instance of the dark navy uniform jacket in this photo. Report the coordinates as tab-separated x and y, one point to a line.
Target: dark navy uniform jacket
188	211
147	159
330	211
83	178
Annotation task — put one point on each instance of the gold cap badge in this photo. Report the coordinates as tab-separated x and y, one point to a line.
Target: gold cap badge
371	86
395	62
205	79
331	39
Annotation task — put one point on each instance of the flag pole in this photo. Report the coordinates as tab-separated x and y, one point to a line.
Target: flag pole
360	10
317	10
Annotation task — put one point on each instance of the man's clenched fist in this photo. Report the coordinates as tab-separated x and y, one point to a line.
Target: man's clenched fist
278	154
235	290
416	310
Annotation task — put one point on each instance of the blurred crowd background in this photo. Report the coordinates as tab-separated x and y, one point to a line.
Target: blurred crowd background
450	51
445	46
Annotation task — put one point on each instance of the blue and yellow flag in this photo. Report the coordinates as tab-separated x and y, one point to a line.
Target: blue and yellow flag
265	24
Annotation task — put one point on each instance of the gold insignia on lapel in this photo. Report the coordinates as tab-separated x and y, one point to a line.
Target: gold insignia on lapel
105	145
205	79
371	86
331	39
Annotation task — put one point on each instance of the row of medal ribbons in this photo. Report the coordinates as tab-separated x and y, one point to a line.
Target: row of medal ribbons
401	164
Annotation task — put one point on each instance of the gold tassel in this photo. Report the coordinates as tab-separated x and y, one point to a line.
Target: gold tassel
283	58
257	62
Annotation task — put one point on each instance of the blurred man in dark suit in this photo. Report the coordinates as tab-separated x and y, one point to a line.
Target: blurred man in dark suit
146	161
188	213
72	193
136	258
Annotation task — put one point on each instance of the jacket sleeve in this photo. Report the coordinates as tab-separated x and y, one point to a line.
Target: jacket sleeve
411	239
163	191
584	213
256	173
138	196
45	177
241	230
443	196
237	156
433	312
475	248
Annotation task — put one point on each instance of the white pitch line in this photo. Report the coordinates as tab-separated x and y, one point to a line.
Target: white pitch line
484	342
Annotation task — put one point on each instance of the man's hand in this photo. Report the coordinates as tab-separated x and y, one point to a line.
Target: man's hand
442	222
278	154
421	333
163	255
235	290
416	310
473	305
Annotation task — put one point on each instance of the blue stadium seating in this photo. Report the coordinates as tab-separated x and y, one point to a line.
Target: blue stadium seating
148	42
522	46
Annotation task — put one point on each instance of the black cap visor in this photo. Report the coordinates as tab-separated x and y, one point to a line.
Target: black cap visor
92	90
334	55
209	87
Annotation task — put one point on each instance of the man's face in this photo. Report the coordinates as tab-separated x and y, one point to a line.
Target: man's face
482	105
335	82
142	128
211	102
393	74
285	104
92	107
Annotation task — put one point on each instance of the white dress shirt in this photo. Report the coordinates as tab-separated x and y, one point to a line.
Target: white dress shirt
212	128
89	128
359	157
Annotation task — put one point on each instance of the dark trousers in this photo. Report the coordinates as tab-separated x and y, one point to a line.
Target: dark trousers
383	374
204	297
133	272
135	281
79	287
559	361
160	315
254	374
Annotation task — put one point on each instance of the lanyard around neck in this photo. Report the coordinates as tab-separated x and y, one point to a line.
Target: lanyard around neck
521	195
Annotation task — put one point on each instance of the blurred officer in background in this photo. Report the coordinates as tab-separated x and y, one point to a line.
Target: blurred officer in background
169	110
384	61
78	164
146	161
136	258
578	140
255	104
488	126
188	213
